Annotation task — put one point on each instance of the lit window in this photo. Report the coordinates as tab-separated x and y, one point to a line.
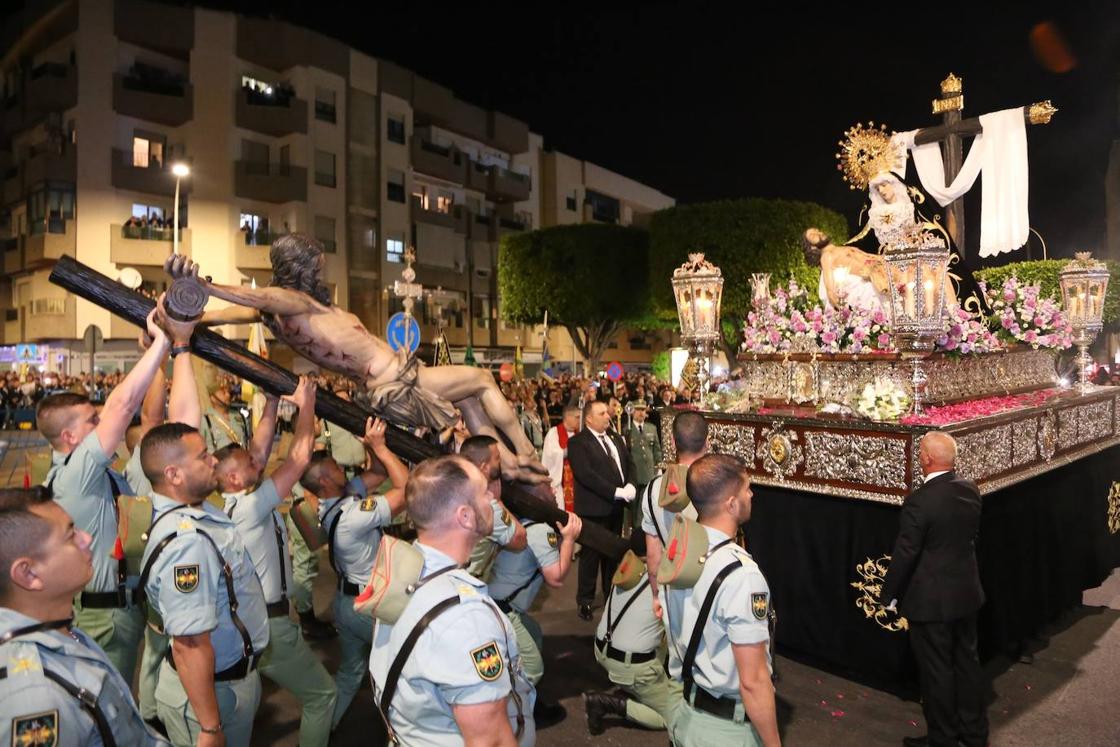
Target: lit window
394	250
140	148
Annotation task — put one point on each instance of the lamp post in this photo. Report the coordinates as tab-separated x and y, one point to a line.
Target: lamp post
408	291
1084	282
916	279
180	170
698	289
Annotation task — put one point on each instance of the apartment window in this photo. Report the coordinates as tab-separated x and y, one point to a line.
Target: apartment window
420	194
147	152
324	168
394	129
445	201
324	105
255	229
481	312
48	209
324	231
603	208
394	249
147	212
573	200
394	189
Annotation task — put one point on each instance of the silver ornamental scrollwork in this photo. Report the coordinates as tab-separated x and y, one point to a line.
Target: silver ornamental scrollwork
1047	435
1094	422
857	459
872	573
729	438
1025	447
984	453
1067	428
779	455
1114	509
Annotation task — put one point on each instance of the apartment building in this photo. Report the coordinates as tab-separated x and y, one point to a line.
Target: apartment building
283	129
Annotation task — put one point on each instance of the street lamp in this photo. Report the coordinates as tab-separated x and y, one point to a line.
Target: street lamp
697	289
1084	283
180	170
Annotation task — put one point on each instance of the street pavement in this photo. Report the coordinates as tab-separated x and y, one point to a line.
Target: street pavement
1067	695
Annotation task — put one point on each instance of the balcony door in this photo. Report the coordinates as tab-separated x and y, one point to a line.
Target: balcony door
147	151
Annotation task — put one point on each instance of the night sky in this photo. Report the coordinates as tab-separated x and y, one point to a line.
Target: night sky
704	102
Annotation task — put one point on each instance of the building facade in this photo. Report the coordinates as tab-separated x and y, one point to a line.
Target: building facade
283	129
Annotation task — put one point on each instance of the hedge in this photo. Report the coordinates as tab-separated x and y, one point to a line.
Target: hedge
1044	273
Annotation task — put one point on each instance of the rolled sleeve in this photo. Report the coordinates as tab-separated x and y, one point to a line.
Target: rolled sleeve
369	513
261	502
736	608
504	528
458	678
83	475
192	611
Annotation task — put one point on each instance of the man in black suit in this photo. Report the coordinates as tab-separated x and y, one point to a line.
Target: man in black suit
600	465
935	583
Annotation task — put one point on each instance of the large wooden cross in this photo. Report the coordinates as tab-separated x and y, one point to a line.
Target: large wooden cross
949	106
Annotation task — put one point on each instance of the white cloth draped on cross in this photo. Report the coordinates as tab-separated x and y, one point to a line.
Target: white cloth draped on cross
999	153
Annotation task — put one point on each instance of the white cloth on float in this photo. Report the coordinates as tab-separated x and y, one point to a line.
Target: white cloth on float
999	153
857	292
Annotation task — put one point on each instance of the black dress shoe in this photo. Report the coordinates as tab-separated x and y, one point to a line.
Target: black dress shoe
598	705
548	714
314	629
921	741
585	612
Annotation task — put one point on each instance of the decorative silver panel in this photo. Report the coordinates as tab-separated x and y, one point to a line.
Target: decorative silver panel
860	459
1025	447
1047	435
778	451
1094	421
734	439
1067	428
984	453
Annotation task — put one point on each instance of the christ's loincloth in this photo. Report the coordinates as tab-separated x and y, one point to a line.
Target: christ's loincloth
403	401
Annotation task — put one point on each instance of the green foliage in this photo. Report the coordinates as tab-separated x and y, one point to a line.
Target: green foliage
582	274
1044	273
740	237
661	365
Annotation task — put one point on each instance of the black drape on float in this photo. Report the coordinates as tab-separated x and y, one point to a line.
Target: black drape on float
1042	542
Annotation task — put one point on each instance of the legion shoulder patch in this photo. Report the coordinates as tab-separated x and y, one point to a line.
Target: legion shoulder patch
488	661
186	578
760	605
35	730
552	539
367	503
506	518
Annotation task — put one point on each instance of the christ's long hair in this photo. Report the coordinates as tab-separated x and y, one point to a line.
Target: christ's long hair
296	261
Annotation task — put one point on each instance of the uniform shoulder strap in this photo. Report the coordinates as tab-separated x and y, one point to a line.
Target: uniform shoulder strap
652	515
702	622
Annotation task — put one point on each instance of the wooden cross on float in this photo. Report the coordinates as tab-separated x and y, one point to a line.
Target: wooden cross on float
949	106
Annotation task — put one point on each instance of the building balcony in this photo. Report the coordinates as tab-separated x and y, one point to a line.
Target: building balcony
46	166
136	245
158	26
48	241
482	227
275	118
50	318
456	219
13	328
270	182
504	185
168	102
52	87
449	164
13	188
252	256
477	176
13	256
151	179
509	225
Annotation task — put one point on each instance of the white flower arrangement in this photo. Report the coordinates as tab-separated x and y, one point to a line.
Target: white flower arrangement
882	399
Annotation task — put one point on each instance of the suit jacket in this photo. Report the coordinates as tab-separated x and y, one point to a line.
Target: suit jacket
933	571
595	473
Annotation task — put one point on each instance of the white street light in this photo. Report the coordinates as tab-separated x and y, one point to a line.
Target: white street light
180	170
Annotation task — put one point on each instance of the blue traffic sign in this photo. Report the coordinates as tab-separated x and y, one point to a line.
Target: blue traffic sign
615	371
403	332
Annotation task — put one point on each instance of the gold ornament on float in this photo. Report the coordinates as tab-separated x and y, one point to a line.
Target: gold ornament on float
872	572
1114	509
867	151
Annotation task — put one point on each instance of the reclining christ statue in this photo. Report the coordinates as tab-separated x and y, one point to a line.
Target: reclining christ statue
296	306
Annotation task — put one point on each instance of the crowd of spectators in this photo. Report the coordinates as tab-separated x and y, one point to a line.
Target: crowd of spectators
24	392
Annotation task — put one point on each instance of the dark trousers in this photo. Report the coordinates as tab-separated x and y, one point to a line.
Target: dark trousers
592	563
952	681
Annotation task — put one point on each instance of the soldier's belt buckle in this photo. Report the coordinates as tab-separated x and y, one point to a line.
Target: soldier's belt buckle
607	638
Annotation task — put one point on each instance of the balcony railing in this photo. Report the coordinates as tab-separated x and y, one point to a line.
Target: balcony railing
145	245
150	233
151	179
325	112
156	98
54	224
275	115
261	238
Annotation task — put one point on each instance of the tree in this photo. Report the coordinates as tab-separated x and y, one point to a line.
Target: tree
592	279
740	237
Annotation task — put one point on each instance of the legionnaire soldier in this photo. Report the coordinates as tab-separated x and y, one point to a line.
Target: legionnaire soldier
509	534
251	503
222	425
666	495
346	448
84	442
354	520
305	569
630	646
200	582
717	604
460	681
516	579
57	687
645	454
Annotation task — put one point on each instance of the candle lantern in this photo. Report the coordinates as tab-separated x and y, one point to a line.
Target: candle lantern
698	289
916	280
760	289
1084	283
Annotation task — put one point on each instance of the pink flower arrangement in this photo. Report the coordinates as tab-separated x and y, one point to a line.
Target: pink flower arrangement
980	408
1020	315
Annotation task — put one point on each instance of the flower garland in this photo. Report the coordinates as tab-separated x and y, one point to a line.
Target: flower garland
1019	315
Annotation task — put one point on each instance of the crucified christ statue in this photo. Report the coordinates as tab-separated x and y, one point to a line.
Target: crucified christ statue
296	306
